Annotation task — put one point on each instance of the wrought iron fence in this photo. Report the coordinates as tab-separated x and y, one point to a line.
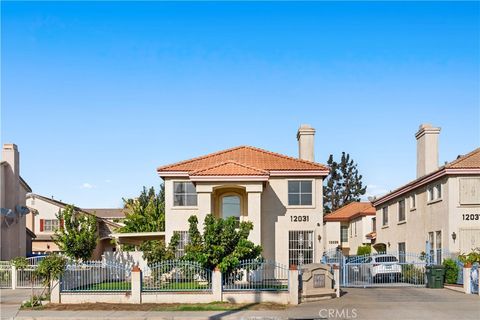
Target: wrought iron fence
27	278
260	275
387	269
177	275
96	276
5	274
33	261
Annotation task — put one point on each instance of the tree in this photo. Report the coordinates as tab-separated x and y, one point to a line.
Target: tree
156	251
77	235
224	243
145	213
50	268
343	185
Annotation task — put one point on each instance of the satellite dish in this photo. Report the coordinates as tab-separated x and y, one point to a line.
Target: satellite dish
22	210
9	216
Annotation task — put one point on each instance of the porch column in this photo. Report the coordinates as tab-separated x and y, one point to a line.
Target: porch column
254	196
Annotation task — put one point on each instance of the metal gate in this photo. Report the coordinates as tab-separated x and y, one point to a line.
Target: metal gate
380	270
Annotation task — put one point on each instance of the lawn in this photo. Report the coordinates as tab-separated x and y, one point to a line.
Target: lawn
106	286
214	306
175	286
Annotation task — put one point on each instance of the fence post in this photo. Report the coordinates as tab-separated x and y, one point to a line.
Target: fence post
14	277
136	280
217	285
293	284
467	279
55	291
336	279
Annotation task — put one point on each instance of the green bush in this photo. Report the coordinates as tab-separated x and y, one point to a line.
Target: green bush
363	250
451	271
413	274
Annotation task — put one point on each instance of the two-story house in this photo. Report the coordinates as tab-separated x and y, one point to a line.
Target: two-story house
439	211
280	195
43	222
15	238
349	227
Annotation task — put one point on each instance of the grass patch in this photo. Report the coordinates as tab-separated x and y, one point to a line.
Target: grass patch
214	306
106	286
190	285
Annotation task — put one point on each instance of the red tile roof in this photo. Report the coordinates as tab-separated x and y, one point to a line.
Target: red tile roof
351	211
243	160
469	161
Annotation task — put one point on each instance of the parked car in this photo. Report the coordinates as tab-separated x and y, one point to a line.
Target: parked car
357	268
384	266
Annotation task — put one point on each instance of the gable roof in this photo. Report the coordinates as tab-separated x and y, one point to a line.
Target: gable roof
242	161
468	164
351	211
108	213
63	205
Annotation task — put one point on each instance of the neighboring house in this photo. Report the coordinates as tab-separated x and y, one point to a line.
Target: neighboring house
15	238
116	215
349	227
43	222
282	196
439	210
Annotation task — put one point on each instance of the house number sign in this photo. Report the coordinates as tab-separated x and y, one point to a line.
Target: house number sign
299	218
471	216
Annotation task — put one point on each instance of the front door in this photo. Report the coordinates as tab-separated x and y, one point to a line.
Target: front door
300	247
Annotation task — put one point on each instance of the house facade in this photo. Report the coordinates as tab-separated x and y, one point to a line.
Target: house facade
15	238
43	222
349	227
439	210
282	196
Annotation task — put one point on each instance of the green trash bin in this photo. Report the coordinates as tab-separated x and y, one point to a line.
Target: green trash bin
435	276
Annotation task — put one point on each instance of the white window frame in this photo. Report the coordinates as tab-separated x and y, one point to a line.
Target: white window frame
313	195
404	211
295	246
434	193
385	214
182	243
54	224
173	195
412	201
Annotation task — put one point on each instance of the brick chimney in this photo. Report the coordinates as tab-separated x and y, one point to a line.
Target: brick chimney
306	139
427	149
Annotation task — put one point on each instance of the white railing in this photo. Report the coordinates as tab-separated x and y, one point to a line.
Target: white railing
27	278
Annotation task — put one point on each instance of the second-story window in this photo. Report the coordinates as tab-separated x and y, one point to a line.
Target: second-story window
184	194
300	193
412	202
50	225
344	234
385	216
401	210
434	192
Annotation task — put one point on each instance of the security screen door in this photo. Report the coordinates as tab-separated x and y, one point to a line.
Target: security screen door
300	247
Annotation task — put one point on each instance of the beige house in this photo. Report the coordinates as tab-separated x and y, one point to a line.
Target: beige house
439	210
281	195
15	238
43	222
349	227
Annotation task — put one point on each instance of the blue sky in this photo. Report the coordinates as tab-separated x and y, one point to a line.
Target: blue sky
97	95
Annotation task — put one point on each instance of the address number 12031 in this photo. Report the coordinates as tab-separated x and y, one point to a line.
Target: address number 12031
299	218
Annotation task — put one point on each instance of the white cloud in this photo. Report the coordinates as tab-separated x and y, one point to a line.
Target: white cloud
374	190
87	185
108	180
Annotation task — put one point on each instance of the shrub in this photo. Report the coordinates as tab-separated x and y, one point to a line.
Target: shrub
451	271
412	274
363	250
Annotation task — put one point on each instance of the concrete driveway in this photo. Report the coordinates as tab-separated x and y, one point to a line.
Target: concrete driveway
369	304
11	300
393	304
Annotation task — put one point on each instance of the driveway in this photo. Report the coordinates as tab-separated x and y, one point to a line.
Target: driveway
394	303
11	300
356	303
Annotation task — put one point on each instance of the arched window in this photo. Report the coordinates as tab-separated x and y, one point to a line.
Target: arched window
231	206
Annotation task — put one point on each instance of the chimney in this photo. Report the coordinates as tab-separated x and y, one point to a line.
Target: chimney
306	139
427	149
9	198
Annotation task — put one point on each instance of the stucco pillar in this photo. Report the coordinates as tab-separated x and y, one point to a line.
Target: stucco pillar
136	279
466	280
255	216
14	278
204	200
55	291
336	278
293	285
217	285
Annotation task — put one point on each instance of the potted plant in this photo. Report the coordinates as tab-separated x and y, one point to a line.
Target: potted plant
470	258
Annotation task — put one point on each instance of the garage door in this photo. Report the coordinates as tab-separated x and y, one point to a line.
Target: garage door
469	239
